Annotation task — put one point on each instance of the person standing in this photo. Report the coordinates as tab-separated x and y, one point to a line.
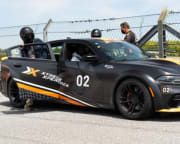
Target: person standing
130	36
37	51
28	37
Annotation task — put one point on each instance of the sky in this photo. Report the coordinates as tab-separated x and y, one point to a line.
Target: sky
24	12
17	12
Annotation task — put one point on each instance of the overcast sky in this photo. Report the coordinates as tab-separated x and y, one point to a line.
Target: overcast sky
17	12
25	12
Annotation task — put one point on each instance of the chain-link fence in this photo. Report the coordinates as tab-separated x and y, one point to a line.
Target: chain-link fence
172	43
110	27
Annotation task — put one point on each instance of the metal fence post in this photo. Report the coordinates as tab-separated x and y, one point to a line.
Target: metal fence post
162	33
45	30
164	41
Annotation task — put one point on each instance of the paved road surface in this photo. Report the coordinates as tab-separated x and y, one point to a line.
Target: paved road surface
60	124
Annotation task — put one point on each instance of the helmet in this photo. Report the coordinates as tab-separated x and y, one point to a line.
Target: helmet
27	34
96	33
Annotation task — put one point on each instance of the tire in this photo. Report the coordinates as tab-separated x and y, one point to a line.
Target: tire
13	94
133	100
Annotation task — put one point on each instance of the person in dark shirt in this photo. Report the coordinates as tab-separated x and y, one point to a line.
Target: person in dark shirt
130	36
38	51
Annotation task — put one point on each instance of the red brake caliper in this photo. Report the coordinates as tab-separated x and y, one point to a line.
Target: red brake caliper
128	98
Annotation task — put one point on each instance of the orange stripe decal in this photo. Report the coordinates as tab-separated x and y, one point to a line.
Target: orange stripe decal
71	101
51	94
151	91
37	90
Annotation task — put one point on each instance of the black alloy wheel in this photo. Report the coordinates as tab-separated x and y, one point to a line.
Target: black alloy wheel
133	100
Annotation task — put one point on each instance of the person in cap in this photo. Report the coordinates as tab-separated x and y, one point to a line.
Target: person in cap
129	35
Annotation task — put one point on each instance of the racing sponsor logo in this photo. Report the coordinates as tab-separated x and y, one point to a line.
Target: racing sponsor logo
109	66
31	71
54	78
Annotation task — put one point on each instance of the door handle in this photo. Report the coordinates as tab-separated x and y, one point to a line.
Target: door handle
62	70
17	65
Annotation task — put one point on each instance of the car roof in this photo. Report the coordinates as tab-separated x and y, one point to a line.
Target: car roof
78	39
86	39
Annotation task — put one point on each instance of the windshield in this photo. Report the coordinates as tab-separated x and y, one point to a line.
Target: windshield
117	50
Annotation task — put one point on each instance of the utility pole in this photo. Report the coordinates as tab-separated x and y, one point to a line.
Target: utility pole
162	32
45	30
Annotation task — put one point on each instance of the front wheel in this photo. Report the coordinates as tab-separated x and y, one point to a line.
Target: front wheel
133	100
13	94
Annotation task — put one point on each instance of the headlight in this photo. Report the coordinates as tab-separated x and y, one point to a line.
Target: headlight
169	79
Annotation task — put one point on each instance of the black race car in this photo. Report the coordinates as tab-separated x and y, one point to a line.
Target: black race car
99	73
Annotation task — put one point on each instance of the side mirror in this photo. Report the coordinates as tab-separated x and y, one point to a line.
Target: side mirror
90	58
150	55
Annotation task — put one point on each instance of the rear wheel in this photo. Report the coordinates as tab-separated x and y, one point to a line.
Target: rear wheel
133	100
13	94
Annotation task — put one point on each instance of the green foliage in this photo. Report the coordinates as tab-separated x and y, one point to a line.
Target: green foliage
56	50
173	47
2	55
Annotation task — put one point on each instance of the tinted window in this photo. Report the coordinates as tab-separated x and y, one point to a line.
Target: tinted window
16	52
77	50
120	50
57	50
37	51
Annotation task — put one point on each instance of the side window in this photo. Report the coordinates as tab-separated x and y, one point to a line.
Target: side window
34	51
15	52
75	51
57	50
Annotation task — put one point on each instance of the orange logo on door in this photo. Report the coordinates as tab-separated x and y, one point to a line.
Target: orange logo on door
31	71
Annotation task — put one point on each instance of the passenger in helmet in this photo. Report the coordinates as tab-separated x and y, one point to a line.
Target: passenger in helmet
96	33
39	51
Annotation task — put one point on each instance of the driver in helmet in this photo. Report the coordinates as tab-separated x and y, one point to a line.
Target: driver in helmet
96	33
80	53
39	51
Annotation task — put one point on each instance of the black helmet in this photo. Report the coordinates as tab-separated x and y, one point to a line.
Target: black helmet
96	33
27	34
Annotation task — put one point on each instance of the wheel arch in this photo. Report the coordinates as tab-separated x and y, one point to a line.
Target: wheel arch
147	80
12	75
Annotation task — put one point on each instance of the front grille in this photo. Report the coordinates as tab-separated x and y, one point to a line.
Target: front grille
175	101
176	98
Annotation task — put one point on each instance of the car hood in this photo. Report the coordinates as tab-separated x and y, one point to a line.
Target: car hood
171	66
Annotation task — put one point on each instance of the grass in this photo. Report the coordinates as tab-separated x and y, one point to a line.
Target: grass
172	48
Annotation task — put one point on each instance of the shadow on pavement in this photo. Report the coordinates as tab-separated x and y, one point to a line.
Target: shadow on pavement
43	106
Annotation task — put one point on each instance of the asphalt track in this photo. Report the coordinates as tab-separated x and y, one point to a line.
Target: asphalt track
51	123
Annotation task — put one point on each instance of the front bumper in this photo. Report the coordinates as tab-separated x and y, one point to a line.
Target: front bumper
171	110
170	98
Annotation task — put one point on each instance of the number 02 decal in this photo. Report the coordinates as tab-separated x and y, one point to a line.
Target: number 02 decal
82	81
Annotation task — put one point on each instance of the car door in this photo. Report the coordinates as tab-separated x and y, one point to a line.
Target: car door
91	77
36	72
69	70
81	76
